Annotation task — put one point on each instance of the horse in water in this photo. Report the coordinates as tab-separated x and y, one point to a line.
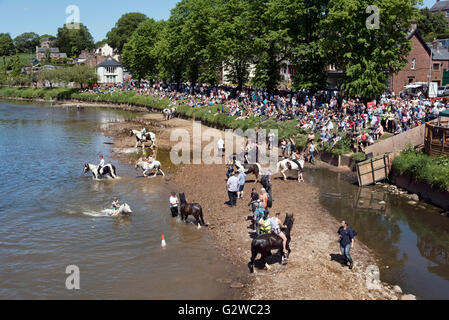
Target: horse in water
263	244
108	170
146	167
149	136
256	169
193	209
169	113
287	165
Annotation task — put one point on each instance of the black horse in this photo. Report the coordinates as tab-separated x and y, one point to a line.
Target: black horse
265	243
193	209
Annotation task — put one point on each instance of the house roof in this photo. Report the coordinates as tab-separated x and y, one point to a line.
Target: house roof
440	6
109	62
52	50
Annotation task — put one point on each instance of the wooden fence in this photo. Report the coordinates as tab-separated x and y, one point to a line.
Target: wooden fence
436	141
373	170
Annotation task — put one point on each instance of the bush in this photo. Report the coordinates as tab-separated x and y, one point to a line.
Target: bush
434	171
358	157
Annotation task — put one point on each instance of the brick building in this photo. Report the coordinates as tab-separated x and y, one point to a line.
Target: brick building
420	65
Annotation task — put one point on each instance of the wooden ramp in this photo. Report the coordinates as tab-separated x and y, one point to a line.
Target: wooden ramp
373	170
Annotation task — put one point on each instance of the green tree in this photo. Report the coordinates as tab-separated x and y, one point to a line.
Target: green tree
73	41
367	55
431	22
7	47
232	39
124	29
49	75
27	42
81	75
139	53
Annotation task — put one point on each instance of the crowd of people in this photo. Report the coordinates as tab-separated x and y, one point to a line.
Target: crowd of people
325	113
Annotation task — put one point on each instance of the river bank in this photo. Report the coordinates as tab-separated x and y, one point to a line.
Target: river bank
311	273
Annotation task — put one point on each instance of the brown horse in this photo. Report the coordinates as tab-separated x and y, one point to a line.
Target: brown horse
193	209
265	243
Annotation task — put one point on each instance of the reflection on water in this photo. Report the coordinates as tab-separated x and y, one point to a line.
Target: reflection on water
412	240
45	228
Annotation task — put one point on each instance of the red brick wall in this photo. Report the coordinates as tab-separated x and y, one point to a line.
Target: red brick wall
419	74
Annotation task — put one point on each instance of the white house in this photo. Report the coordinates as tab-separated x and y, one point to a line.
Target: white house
110	71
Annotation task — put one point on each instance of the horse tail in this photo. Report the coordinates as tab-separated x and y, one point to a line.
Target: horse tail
201	217
114	172
259	167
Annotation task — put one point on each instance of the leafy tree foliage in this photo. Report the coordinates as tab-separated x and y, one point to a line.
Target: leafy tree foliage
27	42
124	29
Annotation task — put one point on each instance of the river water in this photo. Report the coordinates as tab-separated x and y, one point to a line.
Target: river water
411	241
51	217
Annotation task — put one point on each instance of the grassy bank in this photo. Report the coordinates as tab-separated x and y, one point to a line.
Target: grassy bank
434	171
208	115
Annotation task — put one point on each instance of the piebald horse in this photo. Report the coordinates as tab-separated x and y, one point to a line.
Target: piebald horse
108	170
149	136
146	167
249	168
169	113
288	164
263	244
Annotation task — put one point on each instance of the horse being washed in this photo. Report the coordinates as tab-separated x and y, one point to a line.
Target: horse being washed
146	167
193	209
263	244
108	170
149	136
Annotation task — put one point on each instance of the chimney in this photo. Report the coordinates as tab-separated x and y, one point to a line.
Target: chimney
414	25
436	44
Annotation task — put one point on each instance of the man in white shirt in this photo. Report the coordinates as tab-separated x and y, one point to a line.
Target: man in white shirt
174	202
232	187
221	148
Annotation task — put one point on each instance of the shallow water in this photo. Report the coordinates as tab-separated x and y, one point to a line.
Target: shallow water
52	216
412	242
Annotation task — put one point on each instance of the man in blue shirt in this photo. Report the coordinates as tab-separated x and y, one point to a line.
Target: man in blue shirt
242	180
346	242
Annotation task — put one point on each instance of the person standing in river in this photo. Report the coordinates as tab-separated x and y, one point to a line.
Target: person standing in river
346	242
174	203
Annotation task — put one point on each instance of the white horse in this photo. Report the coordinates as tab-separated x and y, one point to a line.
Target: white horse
146	167
124	210
288	164
149	136
169	113
108	170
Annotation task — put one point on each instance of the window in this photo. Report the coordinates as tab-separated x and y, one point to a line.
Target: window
436	66
447	13
413	64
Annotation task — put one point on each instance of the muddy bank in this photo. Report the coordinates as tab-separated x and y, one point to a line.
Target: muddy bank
313	270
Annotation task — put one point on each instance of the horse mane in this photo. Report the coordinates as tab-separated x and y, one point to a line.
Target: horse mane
182	198
288	221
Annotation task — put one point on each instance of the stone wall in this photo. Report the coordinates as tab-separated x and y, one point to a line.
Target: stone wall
397	143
